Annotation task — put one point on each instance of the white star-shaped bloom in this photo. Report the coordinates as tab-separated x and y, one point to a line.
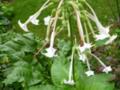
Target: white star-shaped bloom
85	47
107	69
69	82
82	57
89	73
50	52
34	20
47	20
23	26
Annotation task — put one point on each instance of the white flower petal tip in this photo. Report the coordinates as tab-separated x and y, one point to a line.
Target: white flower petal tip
82	57
107	69
112	38
84	47
105	30
34	20
89	73
69	82
23	26
101	36
47	20
50	52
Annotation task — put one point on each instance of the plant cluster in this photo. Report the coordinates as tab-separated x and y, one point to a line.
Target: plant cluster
59	64
60	20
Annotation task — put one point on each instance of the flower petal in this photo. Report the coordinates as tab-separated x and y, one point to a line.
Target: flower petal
34	20
47	20
69	82
84	47
107	69
50	52
89	73
23	26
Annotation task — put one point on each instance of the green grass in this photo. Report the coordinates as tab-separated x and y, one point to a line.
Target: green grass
25	8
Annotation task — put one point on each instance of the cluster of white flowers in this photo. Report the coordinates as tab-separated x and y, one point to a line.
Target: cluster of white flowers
85	45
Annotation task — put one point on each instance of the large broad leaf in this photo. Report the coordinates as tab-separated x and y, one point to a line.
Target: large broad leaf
97	82
59	71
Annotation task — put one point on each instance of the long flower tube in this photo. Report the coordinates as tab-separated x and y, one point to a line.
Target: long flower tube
79	24
89	72
106	69
94	17
33	18
50	50
70	80
103	31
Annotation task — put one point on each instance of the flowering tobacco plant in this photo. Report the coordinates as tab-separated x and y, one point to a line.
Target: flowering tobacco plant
71	15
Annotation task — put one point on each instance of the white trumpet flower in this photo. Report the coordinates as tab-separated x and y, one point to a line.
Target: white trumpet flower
85	47
51	50
82	57
103	31
101	28
89	73
70	80
34	20
47	20
107	69
23	26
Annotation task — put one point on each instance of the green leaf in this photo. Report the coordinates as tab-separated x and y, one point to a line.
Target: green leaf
59	71
97	82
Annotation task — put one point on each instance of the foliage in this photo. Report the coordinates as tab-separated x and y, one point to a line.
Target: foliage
6	14
41	73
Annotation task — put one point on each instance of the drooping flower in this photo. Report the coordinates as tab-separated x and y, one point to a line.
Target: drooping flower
34	20
103	31
89	73
107	69
85	47
82	57
23	26
101	28
47	20
50	52
70	80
